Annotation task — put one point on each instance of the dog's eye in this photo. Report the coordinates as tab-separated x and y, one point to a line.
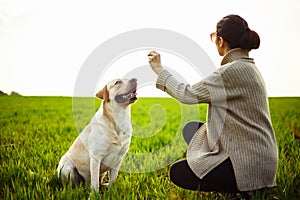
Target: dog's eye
118	82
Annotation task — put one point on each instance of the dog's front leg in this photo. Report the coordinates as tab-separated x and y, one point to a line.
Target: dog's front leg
95	173
113	174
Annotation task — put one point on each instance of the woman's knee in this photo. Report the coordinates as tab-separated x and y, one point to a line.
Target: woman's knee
182	176
189	130
174	173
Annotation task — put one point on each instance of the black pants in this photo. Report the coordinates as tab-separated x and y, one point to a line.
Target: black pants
220	179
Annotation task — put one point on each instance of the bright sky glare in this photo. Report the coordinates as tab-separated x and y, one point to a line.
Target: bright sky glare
43	44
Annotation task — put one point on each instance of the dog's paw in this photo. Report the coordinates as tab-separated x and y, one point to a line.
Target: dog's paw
94	195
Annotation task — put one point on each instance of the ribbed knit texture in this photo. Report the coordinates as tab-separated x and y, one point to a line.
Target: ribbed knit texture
238	121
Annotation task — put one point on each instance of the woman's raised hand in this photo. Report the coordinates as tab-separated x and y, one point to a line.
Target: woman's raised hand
154	61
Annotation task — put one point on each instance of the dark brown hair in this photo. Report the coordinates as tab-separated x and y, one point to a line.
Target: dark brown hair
234	30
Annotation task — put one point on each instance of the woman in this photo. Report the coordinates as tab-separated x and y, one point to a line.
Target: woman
236	149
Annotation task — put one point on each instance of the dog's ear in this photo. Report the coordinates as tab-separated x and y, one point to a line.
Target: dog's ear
103	94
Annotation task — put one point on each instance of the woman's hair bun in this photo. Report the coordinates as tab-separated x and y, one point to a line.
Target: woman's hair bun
234	30
249	40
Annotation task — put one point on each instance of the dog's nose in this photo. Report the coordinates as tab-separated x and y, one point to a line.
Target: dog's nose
133	80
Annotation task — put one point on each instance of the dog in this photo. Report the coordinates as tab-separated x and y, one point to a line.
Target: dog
103	143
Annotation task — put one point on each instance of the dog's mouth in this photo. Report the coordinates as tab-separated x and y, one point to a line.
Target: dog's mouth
129	97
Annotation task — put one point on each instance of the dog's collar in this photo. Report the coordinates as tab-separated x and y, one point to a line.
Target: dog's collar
119	131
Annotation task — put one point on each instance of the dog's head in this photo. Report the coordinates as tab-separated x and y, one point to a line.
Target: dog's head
122	91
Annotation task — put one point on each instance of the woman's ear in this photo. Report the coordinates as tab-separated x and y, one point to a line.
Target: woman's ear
103	94
221	42
222	46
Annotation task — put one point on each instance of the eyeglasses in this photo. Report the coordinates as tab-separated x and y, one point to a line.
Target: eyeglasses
214	36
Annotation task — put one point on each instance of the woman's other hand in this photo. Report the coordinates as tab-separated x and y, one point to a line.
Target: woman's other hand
154	61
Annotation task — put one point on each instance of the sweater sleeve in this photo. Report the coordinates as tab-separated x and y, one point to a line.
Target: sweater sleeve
197	93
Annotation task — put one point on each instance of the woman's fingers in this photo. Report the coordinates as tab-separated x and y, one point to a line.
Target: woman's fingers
154	57
154	61
151	53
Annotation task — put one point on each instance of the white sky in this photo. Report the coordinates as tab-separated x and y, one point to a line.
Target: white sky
43	44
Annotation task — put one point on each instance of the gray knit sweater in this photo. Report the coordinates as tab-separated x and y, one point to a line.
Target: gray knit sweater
238	121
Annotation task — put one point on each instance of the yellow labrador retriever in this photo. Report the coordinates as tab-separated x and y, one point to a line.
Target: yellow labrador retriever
102	144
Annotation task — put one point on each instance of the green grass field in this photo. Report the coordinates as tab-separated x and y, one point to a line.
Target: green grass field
37	131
